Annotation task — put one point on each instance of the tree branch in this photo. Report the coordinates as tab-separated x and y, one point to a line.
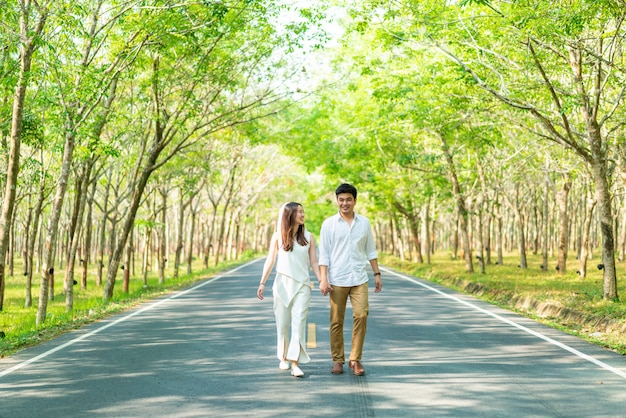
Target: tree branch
550	87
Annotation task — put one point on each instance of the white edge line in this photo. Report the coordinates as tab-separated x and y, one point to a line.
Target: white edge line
516	325
117	321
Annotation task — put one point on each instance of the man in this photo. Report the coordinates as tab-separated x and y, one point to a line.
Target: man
346	245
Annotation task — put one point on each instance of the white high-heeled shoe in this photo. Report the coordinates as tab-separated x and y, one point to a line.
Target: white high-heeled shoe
283	365
297	372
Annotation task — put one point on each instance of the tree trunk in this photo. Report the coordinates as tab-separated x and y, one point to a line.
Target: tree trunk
488	238
622	246
180	233
34	237
86	257
397	233
460	204
76	236
206	243
237	237
11	251
584	248
562	198
480	239
545	239
414	228
71	232
126	266
228	237
499	231
192	227
536	228
29	37
162	234
28	296
455	240
598	161
146	252
483	233
521	230
116	257
142	180
222	231
425	246
102	235
392	241
606	228
47	276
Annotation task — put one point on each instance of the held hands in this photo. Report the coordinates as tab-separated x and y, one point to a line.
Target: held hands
325	287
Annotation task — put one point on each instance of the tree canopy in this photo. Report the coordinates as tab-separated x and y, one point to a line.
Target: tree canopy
170	131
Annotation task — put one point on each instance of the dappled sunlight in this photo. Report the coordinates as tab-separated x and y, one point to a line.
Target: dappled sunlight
207	354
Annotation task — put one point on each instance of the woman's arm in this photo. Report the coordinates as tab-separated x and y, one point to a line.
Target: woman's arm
269	264
313	258
324	286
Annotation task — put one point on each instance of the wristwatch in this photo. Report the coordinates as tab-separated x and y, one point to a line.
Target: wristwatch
377	273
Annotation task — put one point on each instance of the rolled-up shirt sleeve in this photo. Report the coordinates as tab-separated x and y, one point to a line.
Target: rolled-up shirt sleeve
370	245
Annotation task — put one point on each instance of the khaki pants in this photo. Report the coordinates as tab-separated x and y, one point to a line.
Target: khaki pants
360	309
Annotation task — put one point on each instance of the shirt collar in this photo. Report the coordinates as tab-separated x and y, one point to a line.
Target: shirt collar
341	218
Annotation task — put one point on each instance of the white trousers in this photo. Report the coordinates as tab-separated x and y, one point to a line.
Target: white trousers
291	315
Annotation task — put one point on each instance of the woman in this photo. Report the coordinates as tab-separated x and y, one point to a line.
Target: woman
293	247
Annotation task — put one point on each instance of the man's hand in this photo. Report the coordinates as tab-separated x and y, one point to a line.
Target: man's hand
379	284
325	287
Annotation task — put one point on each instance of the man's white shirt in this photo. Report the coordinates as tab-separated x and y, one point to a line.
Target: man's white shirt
346	249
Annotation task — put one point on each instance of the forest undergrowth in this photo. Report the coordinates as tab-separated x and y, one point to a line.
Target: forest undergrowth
564	301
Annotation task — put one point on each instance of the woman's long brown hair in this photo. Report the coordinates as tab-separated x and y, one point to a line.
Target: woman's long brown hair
288	224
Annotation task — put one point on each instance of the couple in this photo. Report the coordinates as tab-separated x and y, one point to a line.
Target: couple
346	245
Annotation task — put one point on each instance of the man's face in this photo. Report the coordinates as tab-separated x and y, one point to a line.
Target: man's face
346	202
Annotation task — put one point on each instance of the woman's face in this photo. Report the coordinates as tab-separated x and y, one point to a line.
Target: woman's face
299	216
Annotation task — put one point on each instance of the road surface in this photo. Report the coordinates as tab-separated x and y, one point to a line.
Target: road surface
209	351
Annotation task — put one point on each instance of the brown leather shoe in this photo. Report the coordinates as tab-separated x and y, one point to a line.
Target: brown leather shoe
337	368
357	367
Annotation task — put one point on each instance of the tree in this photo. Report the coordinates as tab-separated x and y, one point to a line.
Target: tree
555	61
81	92
212	68
29	38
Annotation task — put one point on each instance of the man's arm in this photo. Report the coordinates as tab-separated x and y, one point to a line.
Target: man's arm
324	260
377	280
372	256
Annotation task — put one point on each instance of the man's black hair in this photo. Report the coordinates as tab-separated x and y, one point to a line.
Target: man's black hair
346	188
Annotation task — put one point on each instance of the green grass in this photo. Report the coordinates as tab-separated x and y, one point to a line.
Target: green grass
19	323
506	284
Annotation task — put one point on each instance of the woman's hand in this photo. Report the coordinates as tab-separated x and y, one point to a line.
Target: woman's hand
259	291
325	287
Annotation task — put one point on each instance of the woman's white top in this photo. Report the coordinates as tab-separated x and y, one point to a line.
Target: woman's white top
295	263
292	271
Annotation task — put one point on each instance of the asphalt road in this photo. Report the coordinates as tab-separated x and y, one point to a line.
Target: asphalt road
209	351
